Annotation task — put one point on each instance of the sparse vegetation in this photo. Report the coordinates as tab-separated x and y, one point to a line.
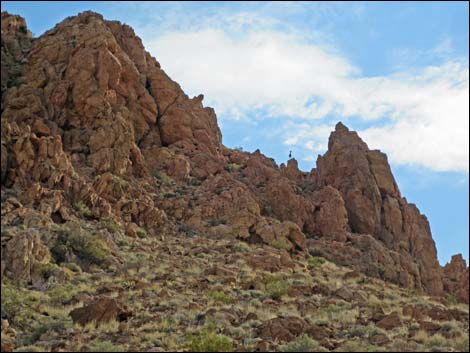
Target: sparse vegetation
315	262
87	247
233	167
219	296
106	346
82	209
275	286
303	343
141	233
110	224
207	340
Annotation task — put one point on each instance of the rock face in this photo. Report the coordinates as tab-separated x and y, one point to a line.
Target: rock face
93	130
22	257
16	41
375	207
456	278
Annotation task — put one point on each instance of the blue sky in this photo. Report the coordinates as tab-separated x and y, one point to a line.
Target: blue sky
280	75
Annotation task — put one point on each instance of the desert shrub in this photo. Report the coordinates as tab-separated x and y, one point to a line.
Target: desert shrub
358	331
435	342
302	344
275	286
381	271
220	297
18	306
194	181
110	224
209	341
281	243
451	328
106	346
461	343
189	232
315	262
451	299
14	81
29	349
233	167
72	266
11	302
62	294
38	330
241	247
356	346
141	233
87	247
82	208
52	270
165	179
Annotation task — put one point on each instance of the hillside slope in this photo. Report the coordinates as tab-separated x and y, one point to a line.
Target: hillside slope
118	196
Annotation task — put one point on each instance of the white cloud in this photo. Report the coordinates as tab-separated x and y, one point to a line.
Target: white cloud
287	77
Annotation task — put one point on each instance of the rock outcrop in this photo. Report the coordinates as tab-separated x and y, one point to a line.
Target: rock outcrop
456	275
94	131
375	206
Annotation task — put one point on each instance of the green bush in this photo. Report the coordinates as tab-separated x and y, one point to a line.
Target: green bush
82	208
11	302
233	167
209	341
165	179
461	344
281	243
87	247
275	286
52	270
141	233
110	224
14	82
18	306
62	294
451	299
302	344
220	297
315	262
39	329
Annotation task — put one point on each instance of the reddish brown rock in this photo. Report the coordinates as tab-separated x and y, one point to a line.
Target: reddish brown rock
292	171
390	321
375	207
330	216
22	256
282	329
430	327
456	278
100	312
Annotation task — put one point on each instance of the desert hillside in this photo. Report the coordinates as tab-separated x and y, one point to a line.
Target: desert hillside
126	224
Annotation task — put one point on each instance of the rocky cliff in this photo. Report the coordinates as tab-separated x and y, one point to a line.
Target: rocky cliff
94	131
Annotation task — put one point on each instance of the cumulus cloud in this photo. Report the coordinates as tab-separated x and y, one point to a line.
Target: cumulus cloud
422	115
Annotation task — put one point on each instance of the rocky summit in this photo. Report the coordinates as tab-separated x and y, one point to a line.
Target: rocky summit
126	224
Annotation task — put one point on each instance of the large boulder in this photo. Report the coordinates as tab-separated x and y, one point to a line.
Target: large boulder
100	311
282	328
